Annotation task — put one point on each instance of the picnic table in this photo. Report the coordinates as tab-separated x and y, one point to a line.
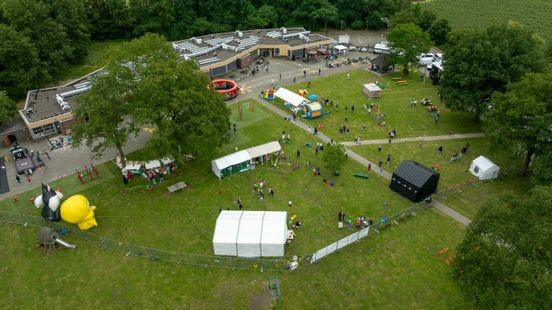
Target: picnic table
176	187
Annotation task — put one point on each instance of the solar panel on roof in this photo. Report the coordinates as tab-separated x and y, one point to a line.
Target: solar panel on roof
208	60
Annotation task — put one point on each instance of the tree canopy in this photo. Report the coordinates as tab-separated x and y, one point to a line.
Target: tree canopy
334	157
148	84
7	107
521	118
480	63
505	258
406	41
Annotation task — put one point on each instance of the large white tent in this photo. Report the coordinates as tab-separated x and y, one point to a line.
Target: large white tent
290	97
250	233
484	169
237	160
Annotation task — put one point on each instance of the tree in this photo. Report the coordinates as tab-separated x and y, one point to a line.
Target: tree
541	167
7	107
406	41
439	30
521	118
20	68
479	63
334	157
103	117
504	260
325	13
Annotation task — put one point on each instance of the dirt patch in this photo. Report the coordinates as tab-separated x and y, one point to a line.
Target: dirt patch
261	301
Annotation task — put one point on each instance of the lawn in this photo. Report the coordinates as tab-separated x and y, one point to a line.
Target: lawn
368	274
534	14
96	58
394	104
454	175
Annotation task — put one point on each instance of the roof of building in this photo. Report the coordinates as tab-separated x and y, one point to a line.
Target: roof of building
218	47
49	102
414	173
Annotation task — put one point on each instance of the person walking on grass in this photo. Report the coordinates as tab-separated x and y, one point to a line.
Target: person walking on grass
388	159
440	150
379	165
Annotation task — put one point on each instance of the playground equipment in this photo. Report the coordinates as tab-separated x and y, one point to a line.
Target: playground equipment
49	202
48	238
312	110
77	210
303	92
228	88
268	94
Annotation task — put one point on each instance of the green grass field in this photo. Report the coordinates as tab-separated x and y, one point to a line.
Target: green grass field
535	14
397	268
394	104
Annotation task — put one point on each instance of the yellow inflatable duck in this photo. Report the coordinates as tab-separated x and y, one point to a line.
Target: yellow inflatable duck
77	210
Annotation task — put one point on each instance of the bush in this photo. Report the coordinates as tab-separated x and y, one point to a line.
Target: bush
357	25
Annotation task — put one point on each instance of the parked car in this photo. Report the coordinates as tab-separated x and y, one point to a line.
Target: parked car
23	161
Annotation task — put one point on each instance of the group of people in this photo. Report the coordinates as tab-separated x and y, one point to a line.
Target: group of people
90	172
360	221
259	189
458	155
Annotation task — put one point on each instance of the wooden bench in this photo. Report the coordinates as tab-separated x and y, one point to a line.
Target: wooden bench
402	82
176	187
361	175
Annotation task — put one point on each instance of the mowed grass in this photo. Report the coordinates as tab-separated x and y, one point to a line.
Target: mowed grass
368	274
465	193
394	104
535	14
96	58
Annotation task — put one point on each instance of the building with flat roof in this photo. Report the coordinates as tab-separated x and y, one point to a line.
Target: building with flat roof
221	53
49	111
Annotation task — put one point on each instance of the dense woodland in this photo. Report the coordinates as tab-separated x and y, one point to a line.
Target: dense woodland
40	37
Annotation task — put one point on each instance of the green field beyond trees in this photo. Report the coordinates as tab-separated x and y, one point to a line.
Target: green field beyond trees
534	14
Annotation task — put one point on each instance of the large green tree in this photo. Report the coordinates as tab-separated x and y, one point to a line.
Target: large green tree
521	118
103	117
406	41
439	30
505	258
334	157
7	107
480	63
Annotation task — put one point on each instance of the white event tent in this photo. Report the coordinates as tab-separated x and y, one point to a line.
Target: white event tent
235	162
290	97
250	233
484	169
258	152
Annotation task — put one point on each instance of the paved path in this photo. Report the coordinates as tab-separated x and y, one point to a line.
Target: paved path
364	162
416	139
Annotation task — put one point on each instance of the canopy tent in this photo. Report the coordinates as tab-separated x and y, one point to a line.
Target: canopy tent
290	97
235	162
274	234
414	181
484	169
167	160
264	149
250	233
341	49
226	233
371	90
153	164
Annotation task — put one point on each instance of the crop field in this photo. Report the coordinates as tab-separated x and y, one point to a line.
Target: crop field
534	14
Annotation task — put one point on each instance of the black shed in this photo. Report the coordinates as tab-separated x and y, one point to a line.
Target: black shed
414	181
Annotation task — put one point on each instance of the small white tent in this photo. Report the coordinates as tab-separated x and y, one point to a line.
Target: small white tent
484	169
274	234
250	233
258	152
226	233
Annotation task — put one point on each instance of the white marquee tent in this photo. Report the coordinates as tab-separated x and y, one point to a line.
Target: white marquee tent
484	169
264	149
225	165
290	97
250	233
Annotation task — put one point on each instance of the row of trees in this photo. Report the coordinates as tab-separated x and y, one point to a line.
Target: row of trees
148	85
